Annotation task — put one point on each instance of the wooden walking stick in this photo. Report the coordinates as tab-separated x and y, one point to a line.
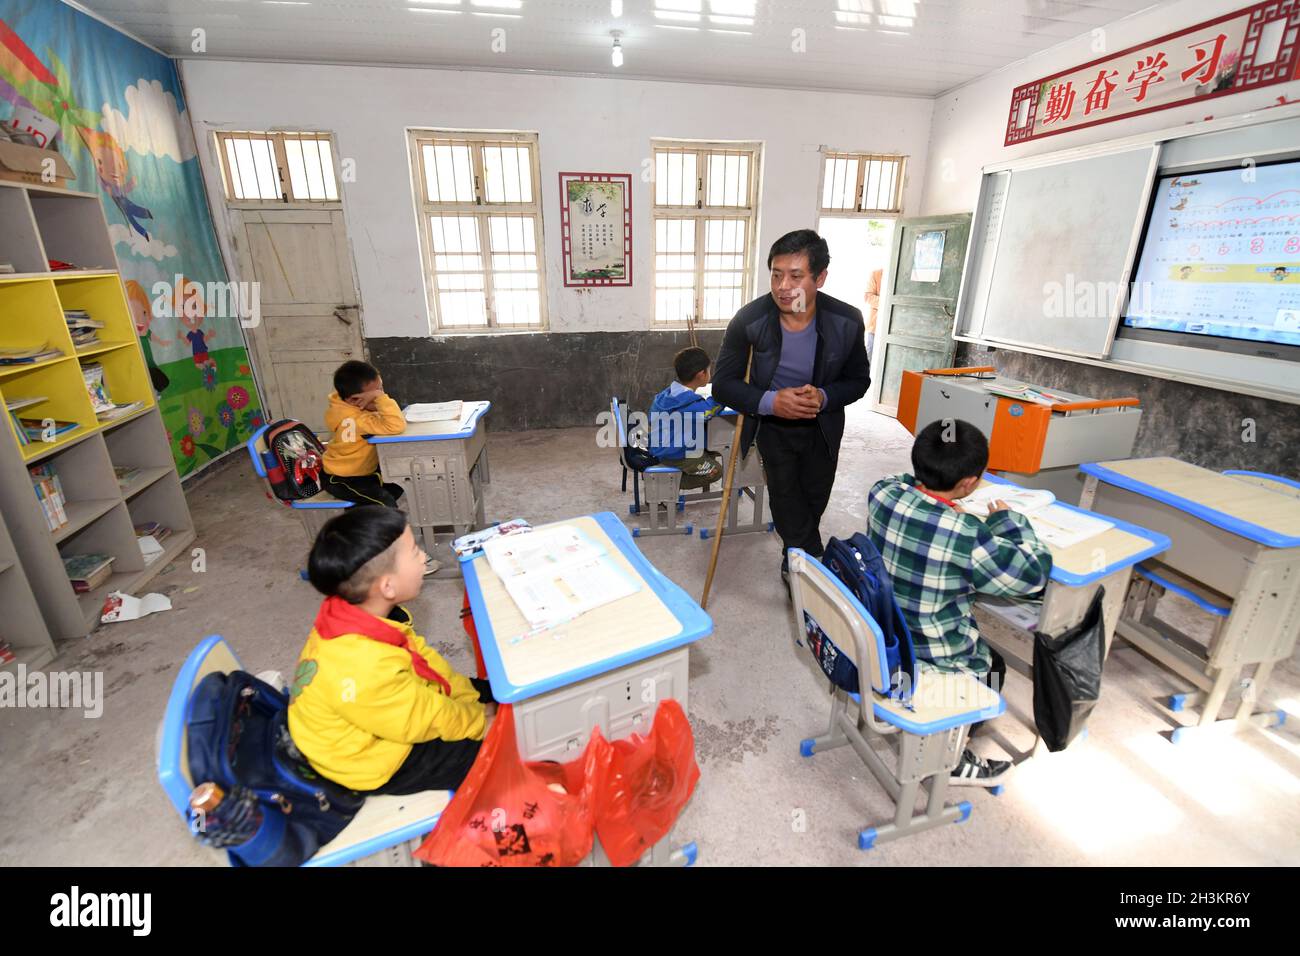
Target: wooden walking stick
726	492
690	327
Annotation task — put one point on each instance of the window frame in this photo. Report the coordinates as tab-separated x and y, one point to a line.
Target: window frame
278	138
482	211
701	214
858	211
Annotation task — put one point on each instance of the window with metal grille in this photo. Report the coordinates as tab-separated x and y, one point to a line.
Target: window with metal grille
705	208
277	167
477	197
861	183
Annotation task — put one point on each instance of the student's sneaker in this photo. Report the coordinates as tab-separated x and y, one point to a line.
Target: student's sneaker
431	566
973	771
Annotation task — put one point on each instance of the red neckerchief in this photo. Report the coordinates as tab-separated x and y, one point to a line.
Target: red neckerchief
336	617
931	494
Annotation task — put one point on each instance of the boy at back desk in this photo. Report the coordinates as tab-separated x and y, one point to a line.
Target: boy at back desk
677	417
358	407
939	557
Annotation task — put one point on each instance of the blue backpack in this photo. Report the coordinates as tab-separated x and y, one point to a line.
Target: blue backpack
238	737
858	565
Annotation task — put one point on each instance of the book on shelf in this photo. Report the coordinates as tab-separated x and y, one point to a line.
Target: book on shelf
125	474
29	355
7	268
100	399
49	492
118	411
37	429
23	401
153	529
83	329
19	429
1055	524
88	571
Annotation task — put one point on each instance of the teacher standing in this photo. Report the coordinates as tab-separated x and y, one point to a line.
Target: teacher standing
809	362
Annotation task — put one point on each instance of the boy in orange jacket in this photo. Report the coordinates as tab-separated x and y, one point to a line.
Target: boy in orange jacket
373	707
358	407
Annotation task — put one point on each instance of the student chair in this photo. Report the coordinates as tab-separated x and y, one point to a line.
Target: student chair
313	511
384	832
662	484
926	733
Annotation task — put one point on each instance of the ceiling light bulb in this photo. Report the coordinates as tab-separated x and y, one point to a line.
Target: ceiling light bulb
616	10
616	56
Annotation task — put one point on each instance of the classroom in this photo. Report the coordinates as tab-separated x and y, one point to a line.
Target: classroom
499	432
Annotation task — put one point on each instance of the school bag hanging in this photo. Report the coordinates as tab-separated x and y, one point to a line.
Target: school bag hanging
858	564
277	810
293	458
1067	677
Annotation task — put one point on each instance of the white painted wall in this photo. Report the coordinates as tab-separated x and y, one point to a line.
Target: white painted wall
584	125
970	122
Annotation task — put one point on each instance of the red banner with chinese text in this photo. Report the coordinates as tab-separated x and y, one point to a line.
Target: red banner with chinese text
1255	47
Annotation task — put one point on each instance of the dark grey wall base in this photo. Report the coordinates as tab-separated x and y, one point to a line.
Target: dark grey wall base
1205	426
535	379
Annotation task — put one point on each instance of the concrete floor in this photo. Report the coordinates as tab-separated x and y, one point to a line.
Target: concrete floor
78	791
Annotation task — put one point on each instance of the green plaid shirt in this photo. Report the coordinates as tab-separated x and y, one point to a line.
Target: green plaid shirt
939	558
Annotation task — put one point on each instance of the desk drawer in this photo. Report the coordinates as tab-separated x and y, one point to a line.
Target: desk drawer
557	725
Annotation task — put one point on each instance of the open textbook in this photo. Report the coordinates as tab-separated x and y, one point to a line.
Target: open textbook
556	574
1055	525
432	412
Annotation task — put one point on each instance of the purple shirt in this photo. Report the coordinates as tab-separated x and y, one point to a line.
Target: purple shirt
795	368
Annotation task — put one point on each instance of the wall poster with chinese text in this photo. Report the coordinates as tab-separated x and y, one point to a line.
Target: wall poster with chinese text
1256	46
596	228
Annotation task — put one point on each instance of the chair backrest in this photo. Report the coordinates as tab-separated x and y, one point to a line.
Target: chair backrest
213	655
256	446
824	598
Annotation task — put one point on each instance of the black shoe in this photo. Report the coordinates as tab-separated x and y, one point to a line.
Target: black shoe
973	771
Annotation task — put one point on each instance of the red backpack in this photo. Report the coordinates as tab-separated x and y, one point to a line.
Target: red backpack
290	457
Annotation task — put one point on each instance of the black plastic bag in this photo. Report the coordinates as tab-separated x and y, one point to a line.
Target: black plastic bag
1067	677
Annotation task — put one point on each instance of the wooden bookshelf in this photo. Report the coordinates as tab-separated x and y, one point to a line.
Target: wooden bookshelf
22	626
44	223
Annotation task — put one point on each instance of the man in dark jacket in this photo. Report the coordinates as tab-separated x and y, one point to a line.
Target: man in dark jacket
809	362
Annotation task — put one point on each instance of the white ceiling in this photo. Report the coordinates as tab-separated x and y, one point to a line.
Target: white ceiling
919	47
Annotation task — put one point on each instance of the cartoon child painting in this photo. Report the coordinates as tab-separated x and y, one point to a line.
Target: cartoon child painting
115	177
189	307
142	314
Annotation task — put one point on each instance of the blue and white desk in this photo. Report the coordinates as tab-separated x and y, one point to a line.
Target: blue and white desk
1235	553
442	467
608	668
750	480
1105	560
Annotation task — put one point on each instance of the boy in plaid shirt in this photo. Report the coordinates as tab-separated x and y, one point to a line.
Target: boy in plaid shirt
939	556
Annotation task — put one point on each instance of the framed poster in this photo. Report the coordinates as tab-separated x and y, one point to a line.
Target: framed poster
596	228
927	256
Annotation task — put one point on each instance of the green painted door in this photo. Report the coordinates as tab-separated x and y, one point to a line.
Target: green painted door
918	302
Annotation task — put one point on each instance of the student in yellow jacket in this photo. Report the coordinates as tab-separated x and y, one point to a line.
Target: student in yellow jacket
372	706
358	407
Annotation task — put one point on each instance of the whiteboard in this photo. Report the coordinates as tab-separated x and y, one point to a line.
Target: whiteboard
1060	251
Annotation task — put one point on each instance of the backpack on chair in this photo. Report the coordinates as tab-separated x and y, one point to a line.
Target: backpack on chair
237	735
294	460
858	564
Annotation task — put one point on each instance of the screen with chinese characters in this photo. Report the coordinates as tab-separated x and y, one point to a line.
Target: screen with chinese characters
1221	255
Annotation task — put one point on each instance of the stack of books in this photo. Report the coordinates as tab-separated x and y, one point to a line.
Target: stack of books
125	475
35	429
88	571
49	492
28	356
153	529
83	329
7	268
12	405
97	390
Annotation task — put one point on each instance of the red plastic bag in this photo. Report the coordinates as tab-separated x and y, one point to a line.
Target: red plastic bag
467	619
511	813
640	784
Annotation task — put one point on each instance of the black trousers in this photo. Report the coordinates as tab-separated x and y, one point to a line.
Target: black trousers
363	489
437	764
800	471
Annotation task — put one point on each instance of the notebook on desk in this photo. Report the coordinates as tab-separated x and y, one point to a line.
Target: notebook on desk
432	412
1055	525
556	574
